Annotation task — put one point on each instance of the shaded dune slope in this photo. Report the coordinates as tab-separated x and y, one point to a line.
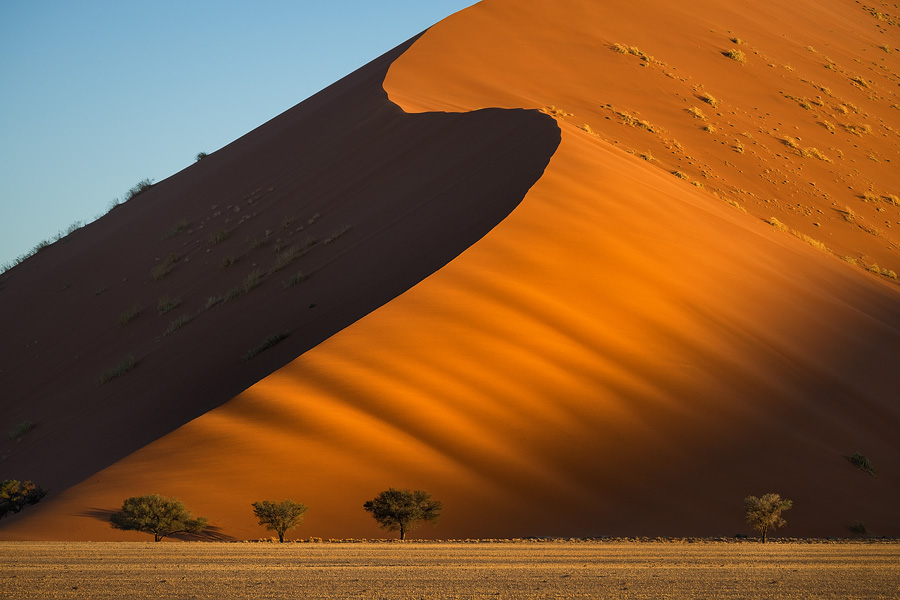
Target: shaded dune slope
346	188
625	353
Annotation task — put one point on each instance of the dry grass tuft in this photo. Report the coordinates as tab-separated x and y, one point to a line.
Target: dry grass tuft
696	112
165	267
860	130
736	55
709	99
814	153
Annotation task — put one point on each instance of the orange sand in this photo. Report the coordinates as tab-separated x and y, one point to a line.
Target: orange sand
624	353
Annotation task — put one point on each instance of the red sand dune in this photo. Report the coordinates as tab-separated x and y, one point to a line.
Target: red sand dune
624	353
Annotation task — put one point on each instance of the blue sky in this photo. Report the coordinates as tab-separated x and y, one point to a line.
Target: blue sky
97	95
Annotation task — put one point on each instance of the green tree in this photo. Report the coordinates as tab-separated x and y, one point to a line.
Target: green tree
157	515
764	513
279	516
16	495
403	510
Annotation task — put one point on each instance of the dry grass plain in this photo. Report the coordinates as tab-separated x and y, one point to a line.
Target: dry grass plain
502	571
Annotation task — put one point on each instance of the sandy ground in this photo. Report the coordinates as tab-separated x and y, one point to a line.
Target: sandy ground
449	570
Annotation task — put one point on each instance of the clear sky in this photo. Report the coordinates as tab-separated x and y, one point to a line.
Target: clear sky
96	95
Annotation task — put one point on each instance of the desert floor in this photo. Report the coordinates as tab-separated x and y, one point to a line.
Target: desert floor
449	570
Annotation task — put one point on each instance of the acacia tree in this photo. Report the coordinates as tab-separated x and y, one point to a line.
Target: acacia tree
765	513
403	510
157	515
279	516
16	495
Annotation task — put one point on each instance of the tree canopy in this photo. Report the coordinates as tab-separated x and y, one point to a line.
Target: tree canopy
764	513
156	515
403	510
16	495
279	516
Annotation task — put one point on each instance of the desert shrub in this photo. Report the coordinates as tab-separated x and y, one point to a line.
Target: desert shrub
127	364
709	99
200	156
858	130
869	197
680	175
858	81
266	344
227	261
345	228
814	153
165	267
735	54
778	224
696	112
177	324
177	228
709	128
858	528
16	495
861	462
285	258
217	237
297	278
19	430
165	304
137	189
790	142
156	515
128	315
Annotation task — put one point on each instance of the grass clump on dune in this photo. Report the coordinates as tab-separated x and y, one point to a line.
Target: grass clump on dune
128	315
736	55
19	430
165	267
266	344
127	364
709	99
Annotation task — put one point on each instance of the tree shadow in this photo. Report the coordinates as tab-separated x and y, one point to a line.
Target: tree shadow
210	534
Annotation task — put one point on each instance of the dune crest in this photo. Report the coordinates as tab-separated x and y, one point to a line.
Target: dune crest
625	353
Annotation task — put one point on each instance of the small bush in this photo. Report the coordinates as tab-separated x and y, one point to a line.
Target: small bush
128	315
175	229
709	99
696	112
265	345
859	81
165	267
127	364
217	237
298	278
858	130
778	224
227	261
165	304
139	188
737	55
709	128
790	142
177	324
285	258
861	462
859	528
814	153
680	175
200	156
19	430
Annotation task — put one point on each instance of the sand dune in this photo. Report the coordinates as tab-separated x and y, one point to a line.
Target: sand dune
624	353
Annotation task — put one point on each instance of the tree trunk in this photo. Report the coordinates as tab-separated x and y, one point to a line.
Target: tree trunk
765	529
281	536
156	537
402	531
